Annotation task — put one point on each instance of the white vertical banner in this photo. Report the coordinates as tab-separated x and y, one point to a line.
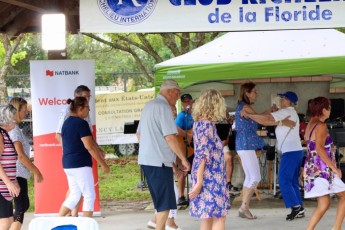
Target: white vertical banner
52	83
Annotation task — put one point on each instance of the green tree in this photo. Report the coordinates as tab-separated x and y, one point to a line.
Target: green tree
32	46
8	58
150	49
111	66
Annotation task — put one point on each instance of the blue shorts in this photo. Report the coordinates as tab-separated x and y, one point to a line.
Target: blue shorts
161	185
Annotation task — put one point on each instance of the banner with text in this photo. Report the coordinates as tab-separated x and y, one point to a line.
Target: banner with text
98	16
114	110
52	83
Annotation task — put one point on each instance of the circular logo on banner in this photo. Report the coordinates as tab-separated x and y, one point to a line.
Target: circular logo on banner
127	12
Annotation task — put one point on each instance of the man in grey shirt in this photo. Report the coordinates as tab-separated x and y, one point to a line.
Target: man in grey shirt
158	147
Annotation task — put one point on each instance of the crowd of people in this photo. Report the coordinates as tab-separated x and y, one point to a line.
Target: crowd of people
174	145
79	147
211	165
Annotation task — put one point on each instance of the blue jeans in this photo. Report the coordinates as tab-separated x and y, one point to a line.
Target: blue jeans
288	178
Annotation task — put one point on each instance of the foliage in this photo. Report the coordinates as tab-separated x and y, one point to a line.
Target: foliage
149	49
121	182
108	149
111	66
31	45
31	194
10	47
16	57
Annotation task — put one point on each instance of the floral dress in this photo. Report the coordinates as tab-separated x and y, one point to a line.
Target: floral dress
213	200
314	166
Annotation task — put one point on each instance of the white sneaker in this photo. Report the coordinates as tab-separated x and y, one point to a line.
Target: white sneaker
171	228
151	224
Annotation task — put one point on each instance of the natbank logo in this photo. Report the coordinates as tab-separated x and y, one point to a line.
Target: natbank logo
49	73
52	73
127	12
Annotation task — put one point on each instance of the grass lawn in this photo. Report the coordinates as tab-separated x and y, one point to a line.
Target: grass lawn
119	184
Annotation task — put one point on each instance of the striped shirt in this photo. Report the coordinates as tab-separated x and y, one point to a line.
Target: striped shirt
8	159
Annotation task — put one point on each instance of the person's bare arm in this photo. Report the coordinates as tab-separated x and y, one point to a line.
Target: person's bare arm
27	162
175	147
265	119
268	120
199	181
92	148
58	137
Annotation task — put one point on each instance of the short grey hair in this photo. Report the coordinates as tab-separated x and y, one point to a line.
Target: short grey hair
80	89
7	114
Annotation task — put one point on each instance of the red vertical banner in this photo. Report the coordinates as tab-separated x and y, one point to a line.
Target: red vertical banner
52	83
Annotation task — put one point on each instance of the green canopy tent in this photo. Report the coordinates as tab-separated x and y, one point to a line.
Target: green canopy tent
259	54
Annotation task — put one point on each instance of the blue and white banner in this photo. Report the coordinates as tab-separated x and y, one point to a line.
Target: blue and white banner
99	16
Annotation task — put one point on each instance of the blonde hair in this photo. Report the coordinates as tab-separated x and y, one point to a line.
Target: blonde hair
210	105
18	103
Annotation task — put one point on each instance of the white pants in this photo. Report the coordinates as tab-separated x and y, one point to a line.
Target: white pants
80	182
251	168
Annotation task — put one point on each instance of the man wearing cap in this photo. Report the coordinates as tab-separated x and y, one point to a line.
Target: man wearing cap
184	122
289	144
158	145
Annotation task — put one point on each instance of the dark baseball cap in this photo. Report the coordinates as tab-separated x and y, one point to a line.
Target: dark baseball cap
186	95
292	96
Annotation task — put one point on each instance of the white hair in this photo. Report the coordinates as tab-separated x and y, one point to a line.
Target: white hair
7	114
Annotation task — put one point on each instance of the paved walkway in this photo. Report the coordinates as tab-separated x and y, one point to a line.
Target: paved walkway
270	211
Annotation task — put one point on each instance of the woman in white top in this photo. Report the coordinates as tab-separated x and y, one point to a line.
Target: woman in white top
24	164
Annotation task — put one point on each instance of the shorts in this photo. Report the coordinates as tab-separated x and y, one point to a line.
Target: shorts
22	202
161	185
6	208
321	187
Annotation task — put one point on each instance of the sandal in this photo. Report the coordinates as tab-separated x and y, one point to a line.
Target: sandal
246	214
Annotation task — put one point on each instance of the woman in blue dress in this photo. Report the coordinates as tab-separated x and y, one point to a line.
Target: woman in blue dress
209	197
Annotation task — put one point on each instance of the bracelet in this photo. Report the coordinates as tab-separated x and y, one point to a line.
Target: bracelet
226	149
280	123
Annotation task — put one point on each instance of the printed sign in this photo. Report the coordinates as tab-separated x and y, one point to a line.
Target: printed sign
52	83
100	16
113	110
